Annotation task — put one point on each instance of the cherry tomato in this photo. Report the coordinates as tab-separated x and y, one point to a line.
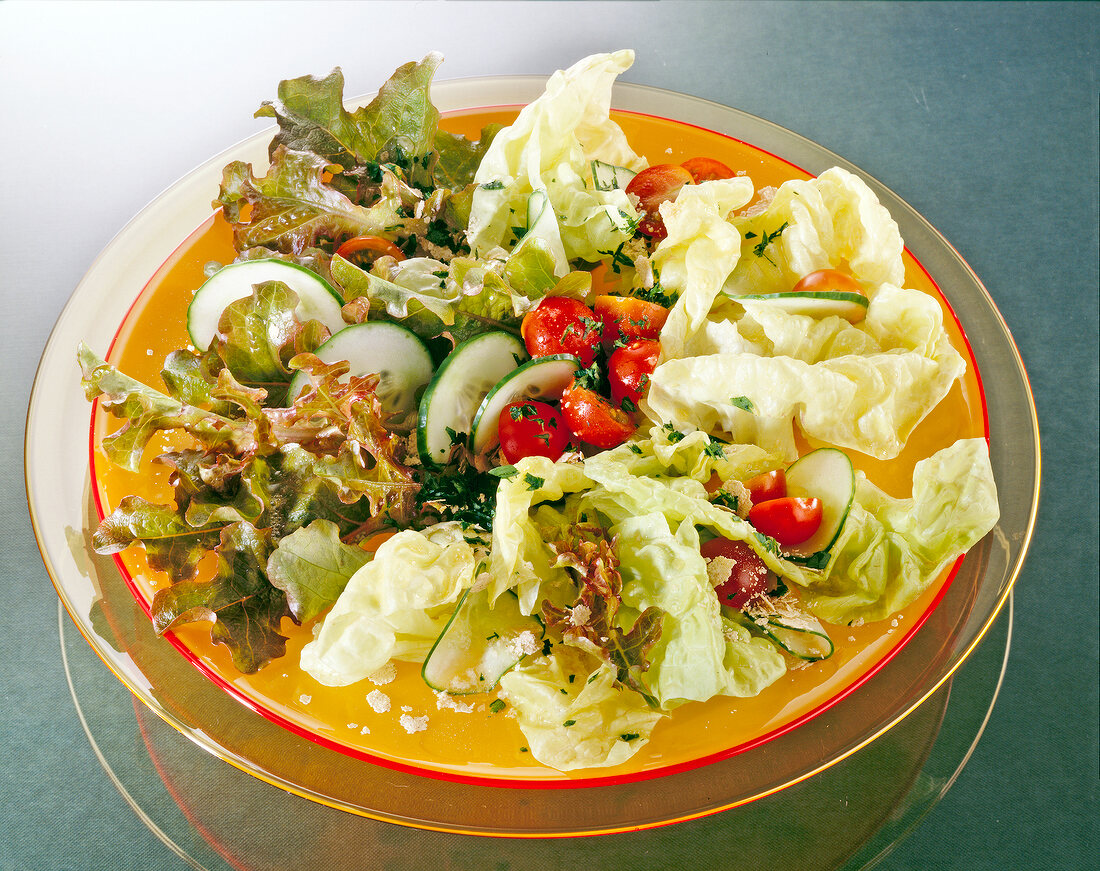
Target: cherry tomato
376	244
789	520
594	419
624	318
748	577
655	185
531	429
706	169
770	485
629	368
561	325
828	279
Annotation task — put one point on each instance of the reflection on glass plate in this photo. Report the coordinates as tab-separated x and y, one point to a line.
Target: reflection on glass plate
95	594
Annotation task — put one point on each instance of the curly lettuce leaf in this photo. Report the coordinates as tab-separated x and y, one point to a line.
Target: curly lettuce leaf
292	209
312	117
247	611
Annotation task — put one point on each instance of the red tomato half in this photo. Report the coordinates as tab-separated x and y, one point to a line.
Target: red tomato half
828	279
655	185
629	368
531	429
561	325
770	485
706	169
790	520
594	419
748	576
624	318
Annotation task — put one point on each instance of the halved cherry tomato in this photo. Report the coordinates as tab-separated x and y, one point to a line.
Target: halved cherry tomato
770	485
828	279
706	169
561	325
748	577
653	186
531	429
629	368
626	317
789	520
370	243
593	419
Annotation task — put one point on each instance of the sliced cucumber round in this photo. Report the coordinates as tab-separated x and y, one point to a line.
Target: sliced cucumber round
480	643
826	473
392	352
816	303
460	384
317	299
544	378
802	636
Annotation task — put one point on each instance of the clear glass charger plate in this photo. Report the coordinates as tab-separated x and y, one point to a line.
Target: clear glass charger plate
850	816
95	595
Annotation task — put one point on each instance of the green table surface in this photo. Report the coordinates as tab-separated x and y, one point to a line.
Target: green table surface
983	116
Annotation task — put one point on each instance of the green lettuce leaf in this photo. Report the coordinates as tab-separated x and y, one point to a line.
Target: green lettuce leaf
394	607
572	713
312	566
891	549
832	221
532	179
869	401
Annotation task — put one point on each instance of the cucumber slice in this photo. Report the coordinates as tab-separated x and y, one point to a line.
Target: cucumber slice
317	300
816	304
826	473
544	378
392	352
802	636
458	388
480	643
608	177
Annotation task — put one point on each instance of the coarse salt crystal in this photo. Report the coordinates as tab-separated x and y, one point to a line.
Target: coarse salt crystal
304	699
413	724
379	701
384	675
447	701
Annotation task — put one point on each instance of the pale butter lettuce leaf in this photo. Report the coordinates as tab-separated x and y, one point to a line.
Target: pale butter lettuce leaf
698	254
572	714
543	160
521	557
891	549
869	397
394	607
832	221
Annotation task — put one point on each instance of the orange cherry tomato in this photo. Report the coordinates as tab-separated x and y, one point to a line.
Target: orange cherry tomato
748	577
376	244
629	368
593	419
655	185
531	429
706	169
770	485
828	279
561	325
626	317
789	520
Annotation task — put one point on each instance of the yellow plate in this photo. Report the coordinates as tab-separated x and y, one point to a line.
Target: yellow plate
462	752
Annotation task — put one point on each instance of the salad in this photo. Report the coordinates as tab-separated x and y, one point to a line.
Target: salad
538	415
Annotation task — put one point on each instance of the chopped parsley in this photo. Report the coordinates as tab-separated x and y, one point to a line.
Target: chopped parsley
496	706
761	247
743	402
